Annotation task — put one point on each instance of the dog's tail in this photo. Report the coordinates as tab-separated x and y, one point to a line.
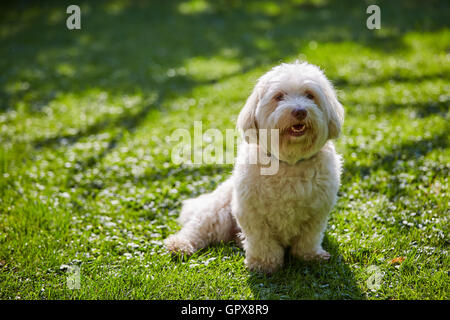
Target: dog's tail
206	219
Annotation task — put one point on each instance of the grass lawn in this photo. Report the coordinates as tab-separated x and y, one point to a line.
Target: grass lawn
86	177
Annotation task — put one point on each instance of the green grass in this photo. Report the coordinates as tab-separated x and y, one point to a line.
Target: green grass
86	176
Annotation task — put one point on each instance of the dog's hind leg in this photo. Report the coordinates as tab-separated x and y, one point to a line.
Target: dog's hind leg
206	219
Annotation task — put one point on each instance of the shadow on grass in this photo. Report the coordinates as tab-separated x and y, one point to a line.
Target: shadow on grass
124	47
422	110
410	150
393	78
395	162
298	279
128	122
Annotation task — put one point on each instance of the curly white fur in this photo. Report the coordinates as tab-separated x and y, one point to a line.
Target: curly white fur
290	208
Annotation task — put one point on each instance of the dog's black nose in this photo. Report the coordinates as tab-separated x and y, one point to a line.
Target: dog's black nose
299	113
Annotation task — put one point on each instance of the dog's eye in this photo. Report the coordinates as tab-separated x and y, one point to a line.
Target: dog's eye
309	95
279	97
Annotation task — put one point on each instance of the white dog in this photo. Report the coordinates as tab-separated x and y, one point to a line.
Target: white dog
290	208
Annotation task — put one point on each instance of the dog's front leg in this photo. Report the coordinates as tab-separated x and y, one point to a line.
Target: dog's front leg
262	254
308	244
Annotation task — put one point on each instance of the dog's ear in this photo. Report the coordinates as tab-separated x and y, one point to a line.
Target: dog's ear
246	120
328	100
335	113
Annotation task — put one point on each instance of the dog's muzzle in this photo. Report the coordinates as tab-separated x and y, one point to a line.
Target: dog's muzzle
299	128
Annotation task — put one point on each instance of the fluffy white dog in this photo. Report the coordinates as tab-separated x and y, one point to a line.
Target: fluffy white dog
290	208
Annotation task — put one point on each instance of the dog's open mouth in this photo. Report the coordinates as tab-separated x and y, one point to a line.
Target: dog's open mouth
297	130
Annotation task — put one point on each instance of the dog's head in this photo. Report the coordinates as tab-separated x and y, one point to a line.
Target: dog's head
299	101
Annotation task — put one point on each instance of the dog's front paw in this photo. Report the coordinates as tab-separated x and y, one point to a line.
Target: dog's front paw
323	255
317	255
263	266
179	245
